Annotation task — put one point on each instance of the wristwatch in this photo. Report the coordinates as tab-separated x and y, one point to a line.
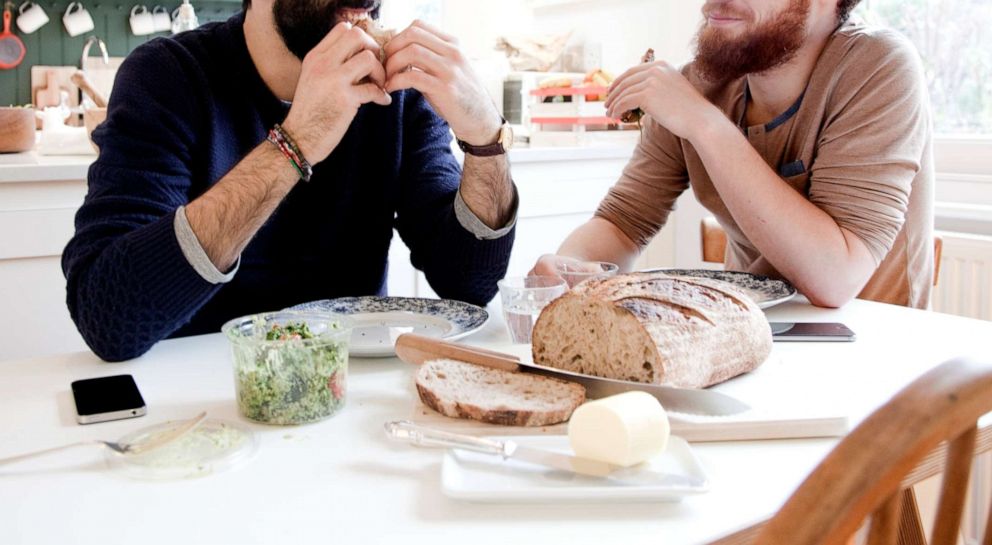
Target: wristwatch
502	144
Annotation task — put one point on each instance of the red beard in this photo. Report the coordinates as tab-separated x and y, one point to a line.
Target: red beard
720	57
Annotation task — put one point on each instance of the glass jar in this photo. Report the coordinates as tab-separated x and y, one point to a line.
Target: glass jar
289	367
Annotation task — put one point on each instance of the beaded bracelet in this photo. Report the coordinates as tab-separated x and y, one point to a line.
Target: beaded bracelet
281	139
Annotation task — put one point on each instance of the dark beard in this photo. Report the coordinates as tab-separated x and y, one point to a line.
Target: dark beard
304	23
759	49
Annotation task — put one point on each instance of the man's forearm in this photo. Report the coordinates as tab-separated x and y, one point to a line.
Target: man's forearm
487	189
826	262
600	240
226	217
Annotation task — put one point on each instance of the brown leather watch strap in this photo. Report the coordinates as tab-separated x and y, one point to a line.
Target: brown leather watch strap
482	151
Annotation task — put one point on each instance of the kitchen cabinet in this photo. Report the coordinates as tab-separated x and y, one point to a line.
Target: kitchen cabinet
38	201
559	190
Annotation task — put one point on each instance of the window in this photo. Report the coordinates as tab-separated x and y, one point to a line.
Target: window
954	41
399	15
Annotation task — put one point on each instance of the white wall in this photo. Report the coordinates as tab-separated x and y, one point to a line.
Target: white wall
627	28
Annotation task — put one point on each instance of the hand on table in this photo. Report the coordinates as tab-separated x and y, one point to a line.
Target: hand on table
555	265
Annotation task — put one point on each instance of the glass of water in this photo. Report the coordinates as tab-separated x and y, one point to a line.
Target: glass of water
524	298
578	272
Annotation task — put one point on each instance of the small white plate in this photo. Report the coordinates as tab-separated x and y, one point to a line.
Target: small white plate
485	478
378	321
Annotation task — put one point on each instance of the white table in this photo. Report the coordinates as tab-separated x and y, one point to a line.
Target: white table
342	481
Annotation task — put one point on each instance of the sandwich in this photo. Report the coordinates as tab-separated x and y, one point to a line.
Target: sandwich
635	115
378	33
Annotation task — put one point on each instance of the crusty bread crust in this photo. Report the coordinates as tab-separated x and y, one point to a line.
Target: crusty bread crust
463	390
654	328
381	35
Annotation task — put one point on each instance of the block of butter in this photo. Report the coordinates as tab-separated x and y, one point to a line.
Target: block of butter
624	429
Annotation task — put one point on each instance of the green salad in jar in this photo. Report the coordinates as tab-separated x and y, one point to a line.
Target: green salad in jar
291	375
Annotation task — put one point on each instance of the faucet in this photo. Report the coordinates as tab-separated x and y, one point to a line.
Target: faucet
86	51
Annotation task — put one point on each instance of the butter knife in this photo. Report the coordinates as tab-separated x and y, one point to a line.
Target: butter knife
402	430
418	349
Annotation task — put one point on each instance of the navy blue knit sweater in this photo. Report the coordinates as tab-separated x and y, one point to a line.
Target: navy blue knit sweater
184	112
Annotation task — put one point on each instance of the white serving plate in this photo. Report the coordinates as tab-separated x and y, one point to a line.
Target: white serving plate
485	478
378	321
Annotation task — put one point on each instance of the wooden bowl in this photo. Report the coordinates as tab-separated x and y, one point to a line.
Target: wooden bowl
17	133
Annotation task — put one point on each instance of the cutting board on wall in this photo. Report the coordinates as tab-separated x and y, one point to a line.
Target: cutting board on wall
61	82
102	75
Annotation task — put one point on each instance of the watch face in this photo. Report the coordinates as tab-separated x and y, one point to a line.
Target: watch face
506	136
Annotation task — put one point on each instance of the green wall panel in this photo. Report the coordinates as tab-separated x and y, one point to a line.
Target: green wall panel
51	45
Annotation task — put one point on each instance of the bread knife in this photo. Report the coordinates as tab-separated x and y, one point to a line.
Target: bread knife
417	349
403	430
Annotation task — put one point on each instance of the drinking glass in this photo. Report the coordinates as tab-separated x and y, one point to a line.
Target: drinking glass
524	298
574	273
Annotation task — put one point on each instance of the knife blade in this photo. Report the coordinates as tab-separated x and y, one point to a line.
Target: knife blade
418	349
402	430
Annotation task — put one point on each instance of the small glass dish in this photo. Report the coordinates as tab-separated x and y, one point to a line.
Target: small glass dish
211	447
289	367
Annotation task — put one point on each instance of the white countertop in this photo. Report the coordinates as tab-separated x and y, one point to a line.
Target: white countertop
342	481
32	167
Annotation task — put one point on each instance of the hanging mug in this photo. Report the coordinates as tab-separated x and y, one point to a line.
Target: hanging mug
142	21
31	17
77	20
163	23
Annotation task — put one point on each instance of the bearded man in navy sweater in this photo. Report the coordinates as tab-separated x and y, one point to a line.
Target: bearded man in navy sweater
201	206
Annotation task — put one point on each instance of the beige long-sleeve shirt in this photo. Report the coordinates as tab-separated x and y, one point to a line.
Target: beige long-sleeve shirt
857	144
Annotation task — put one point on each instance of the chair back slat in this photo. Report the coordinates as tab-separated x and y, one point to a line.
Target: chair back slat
911	531
988	528
714	240
960	454
885	522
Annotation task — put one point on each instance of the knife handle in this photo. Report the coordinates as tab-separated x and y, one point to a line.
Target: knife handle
413	348
404	430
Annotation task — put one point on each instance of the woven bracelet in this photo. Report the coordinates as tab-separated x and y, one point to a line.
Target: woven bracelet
281	139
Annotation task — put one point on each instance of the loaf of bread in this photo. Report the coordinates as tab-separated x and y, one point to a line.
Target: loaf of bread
654	328
463	390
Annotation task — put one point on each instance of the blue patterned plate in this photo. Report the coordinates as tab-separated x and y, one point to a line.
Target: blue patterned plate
377	321
766	292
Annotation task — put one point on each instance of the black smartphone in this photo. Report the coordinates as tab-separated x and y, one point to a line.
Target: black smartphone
811	331
107	398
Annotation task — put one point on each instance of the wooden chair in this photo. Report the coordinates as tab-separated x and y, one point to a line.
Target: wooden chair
714	241
870	469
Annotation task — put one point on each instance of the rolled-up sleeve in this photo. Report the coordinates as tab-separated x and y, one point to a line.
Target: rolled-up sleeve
641	200
870	149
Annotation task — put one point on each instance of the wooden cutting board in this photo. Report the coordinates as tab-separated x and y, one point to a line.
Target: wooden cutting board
787	415
751	426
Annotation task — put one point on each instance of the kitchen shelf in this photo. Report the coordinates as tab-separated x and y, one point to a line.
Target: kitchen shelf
570	91
575	121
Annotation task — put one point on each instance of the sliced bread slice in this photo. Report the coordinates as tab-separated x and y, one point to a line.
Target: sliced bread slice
463	390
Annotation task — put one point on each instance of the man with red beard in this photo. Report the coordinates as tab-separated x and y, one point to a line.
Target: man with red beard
806	135
263	162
